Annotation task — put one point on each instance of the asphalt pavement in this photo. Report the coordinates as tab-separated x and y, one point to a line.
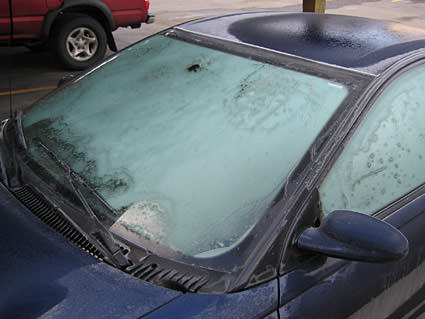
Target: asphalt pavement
26	76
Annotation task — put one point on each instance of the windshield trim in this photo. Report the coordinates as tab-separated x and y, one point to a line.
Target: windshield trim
234	41
254	247
266	55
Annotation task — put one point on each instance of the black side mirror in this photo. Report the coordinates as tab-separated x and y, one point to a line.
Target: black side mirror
355	236
65	79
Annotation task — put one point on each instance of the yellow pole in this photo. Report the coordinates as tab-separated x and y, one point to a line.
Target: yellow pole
314	6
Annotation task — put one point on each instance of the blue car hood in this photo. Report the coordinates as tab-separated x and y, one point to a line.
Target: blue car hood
44	275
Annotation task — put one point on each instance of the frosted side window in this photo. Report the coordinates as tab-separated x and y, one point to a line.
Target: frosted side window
385	158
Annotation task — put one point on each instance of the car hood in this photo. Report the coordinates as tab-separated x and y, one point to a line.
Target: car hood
44	275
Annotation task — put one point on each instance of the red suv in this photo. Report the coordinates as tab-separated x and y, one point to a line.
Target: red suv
77	31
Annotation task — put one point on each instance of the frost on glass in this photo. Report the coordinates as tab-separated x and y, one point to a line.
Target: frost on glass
189	144
385	158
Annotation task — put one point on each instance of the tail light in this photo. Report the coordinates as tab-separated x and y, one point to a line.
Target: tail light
147	4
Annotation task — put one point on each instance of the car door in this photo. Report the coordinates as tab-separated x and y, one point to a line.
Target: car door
4	20
28	17
380	172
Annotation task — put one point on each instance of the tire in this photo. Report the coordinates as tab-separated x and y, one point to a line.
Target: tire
79	41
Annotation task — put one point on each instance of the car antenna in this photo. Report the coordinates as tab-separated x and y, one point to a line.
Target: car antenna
9	57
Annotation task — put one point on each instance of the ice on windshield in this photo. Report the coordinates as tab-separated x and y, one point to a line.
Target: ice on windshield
189	144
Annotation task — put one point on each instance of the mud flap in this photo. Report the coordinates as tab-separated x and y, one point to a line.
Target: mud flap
111	42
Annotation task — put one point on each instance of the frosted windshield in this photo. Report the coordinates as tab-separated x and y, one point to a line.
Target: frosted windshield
190	145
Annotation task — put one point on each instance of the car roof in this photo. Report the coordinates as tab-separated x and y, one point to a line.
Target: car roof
351	42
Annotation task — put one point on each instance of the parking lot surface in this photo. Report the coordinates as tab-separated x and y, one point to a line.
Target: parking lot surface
26	76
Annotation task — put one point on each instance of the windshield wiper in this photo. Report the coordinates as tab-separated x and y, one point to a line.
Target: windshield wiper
11	135
111	248
18	119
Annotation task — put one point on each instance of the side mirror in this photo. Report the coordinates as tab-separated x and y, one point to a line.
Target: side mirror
355	236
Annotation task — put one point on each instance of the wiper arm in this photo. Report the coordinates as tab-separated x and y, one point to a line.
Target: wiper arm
18	118
12	138
111	248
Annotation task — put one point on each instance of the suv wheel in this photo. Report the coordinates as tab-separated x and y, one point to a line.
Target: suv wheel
79	41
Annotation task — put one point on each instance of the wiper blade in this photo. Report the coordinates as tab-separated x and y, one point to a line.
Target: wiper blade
111	248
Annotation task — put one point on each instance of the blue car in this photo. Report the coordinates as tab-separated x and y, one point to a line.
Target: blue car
254	165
